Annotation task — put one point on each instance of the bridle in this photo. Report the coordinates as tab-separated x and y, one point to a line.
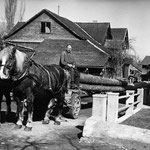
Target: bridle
11	66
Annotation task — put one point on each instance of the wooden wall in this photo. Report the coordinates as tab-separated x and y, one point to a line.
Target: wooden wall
32	31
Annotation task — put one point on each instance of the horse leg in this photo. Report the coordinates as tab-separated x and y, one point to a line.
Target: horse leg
60	103
20	111
48	112
8	103
1	96
30	98
17	104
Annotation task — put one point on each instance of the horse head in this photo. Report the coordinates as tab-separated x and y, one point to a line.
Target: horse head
11	62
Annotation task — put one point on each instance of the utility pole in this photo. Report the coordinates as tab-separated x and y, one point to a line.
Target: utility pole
58	9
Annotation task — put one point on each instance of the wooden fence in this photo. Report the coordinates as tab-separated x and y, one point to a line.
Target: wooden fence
107	107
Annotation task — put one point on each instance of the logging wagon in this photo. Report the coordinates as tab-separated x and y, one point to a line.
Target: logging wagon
91	84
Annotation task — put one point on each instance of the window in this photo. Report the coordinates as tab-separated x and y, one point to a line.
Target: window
131	72
45	27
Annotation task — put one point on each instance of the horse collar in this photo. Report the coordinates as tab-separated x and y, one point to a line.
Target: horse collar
20	76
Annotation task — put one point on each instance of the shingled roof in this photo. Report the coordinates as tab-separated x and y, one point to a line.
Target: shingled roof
17	26
120	38
99	31
119	33
146	61
86	54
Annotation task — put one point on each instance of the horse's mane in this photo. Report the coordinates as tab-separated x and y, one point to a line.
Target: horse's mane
6	51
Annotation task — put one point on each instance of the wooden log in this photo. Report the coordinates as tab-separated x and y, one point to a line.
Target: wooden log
101	88
138	85
97	80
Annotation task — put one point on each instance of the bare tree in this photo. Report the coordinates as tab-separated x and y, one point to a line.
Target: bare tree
119	52
21	10
131	53
11	11
2	28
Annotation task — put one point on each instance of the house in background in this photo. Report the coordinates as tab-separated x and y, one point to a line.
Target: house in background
132	71
116	45
121	35
49	34
120	40
145	68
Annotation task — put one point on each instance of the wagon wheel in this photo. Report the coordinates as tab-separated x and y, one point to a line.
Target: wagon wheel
75	108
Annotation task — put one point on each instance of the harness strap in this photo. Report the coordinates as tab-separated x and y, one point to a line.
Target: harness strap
50	88
25	71
49	80
21	76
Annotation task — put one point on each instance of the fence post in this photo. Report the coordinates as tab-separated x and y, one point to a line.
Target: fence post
130	102
112	107
99	106
140	98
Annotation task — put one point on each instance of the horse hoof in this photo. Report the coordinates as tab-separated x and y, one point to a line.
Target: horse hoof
27	128
17	127
63	120
56	123
45	122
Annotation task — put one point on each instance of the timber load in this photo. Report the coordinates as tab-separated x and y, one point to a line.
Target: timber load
101	88
90	82
144	84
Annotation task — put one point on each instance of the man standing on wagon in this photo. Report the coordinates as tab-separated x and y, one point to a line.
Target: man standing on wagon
67	61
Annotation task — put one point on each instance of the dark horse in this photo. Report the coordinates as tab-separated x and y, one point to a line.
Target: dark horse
5	89
29	78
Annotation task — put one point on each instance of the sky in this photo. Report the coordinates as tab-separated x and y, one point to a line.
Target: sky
131	14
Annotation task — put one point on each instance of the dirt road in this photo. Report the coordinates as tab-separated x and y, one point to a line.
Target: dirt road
66	136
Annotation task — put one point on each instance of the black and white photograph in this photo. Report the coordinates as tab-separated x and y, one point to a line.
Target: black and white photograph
74	75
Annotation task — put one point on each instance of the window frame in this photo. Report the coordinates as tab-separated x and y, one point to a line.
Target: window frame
45	25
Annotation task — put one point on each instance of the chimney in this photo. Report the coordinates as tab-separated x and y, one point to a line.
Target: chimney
95	21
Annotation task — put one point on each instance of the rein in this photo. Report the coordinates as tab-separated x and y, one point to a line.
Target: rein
48	73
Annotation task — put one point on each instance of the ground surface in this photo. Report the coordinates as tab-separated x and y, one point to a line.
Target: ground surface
67	136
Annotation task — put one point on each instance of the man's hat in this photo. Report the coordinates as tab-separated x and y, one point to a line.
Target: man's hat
69	47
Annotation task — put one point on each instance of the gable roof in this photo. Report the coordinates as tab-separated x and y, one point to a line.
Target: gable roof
120	38
57	18
17	26
119	33
98	31
129	61
86	54
72	27
146	61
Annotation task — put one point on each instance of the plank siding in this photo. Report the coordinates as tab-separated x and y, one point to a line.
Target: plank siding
32	32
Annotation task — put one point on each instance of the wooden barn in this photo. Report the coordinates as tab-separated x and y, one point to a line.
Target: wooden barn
49	34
